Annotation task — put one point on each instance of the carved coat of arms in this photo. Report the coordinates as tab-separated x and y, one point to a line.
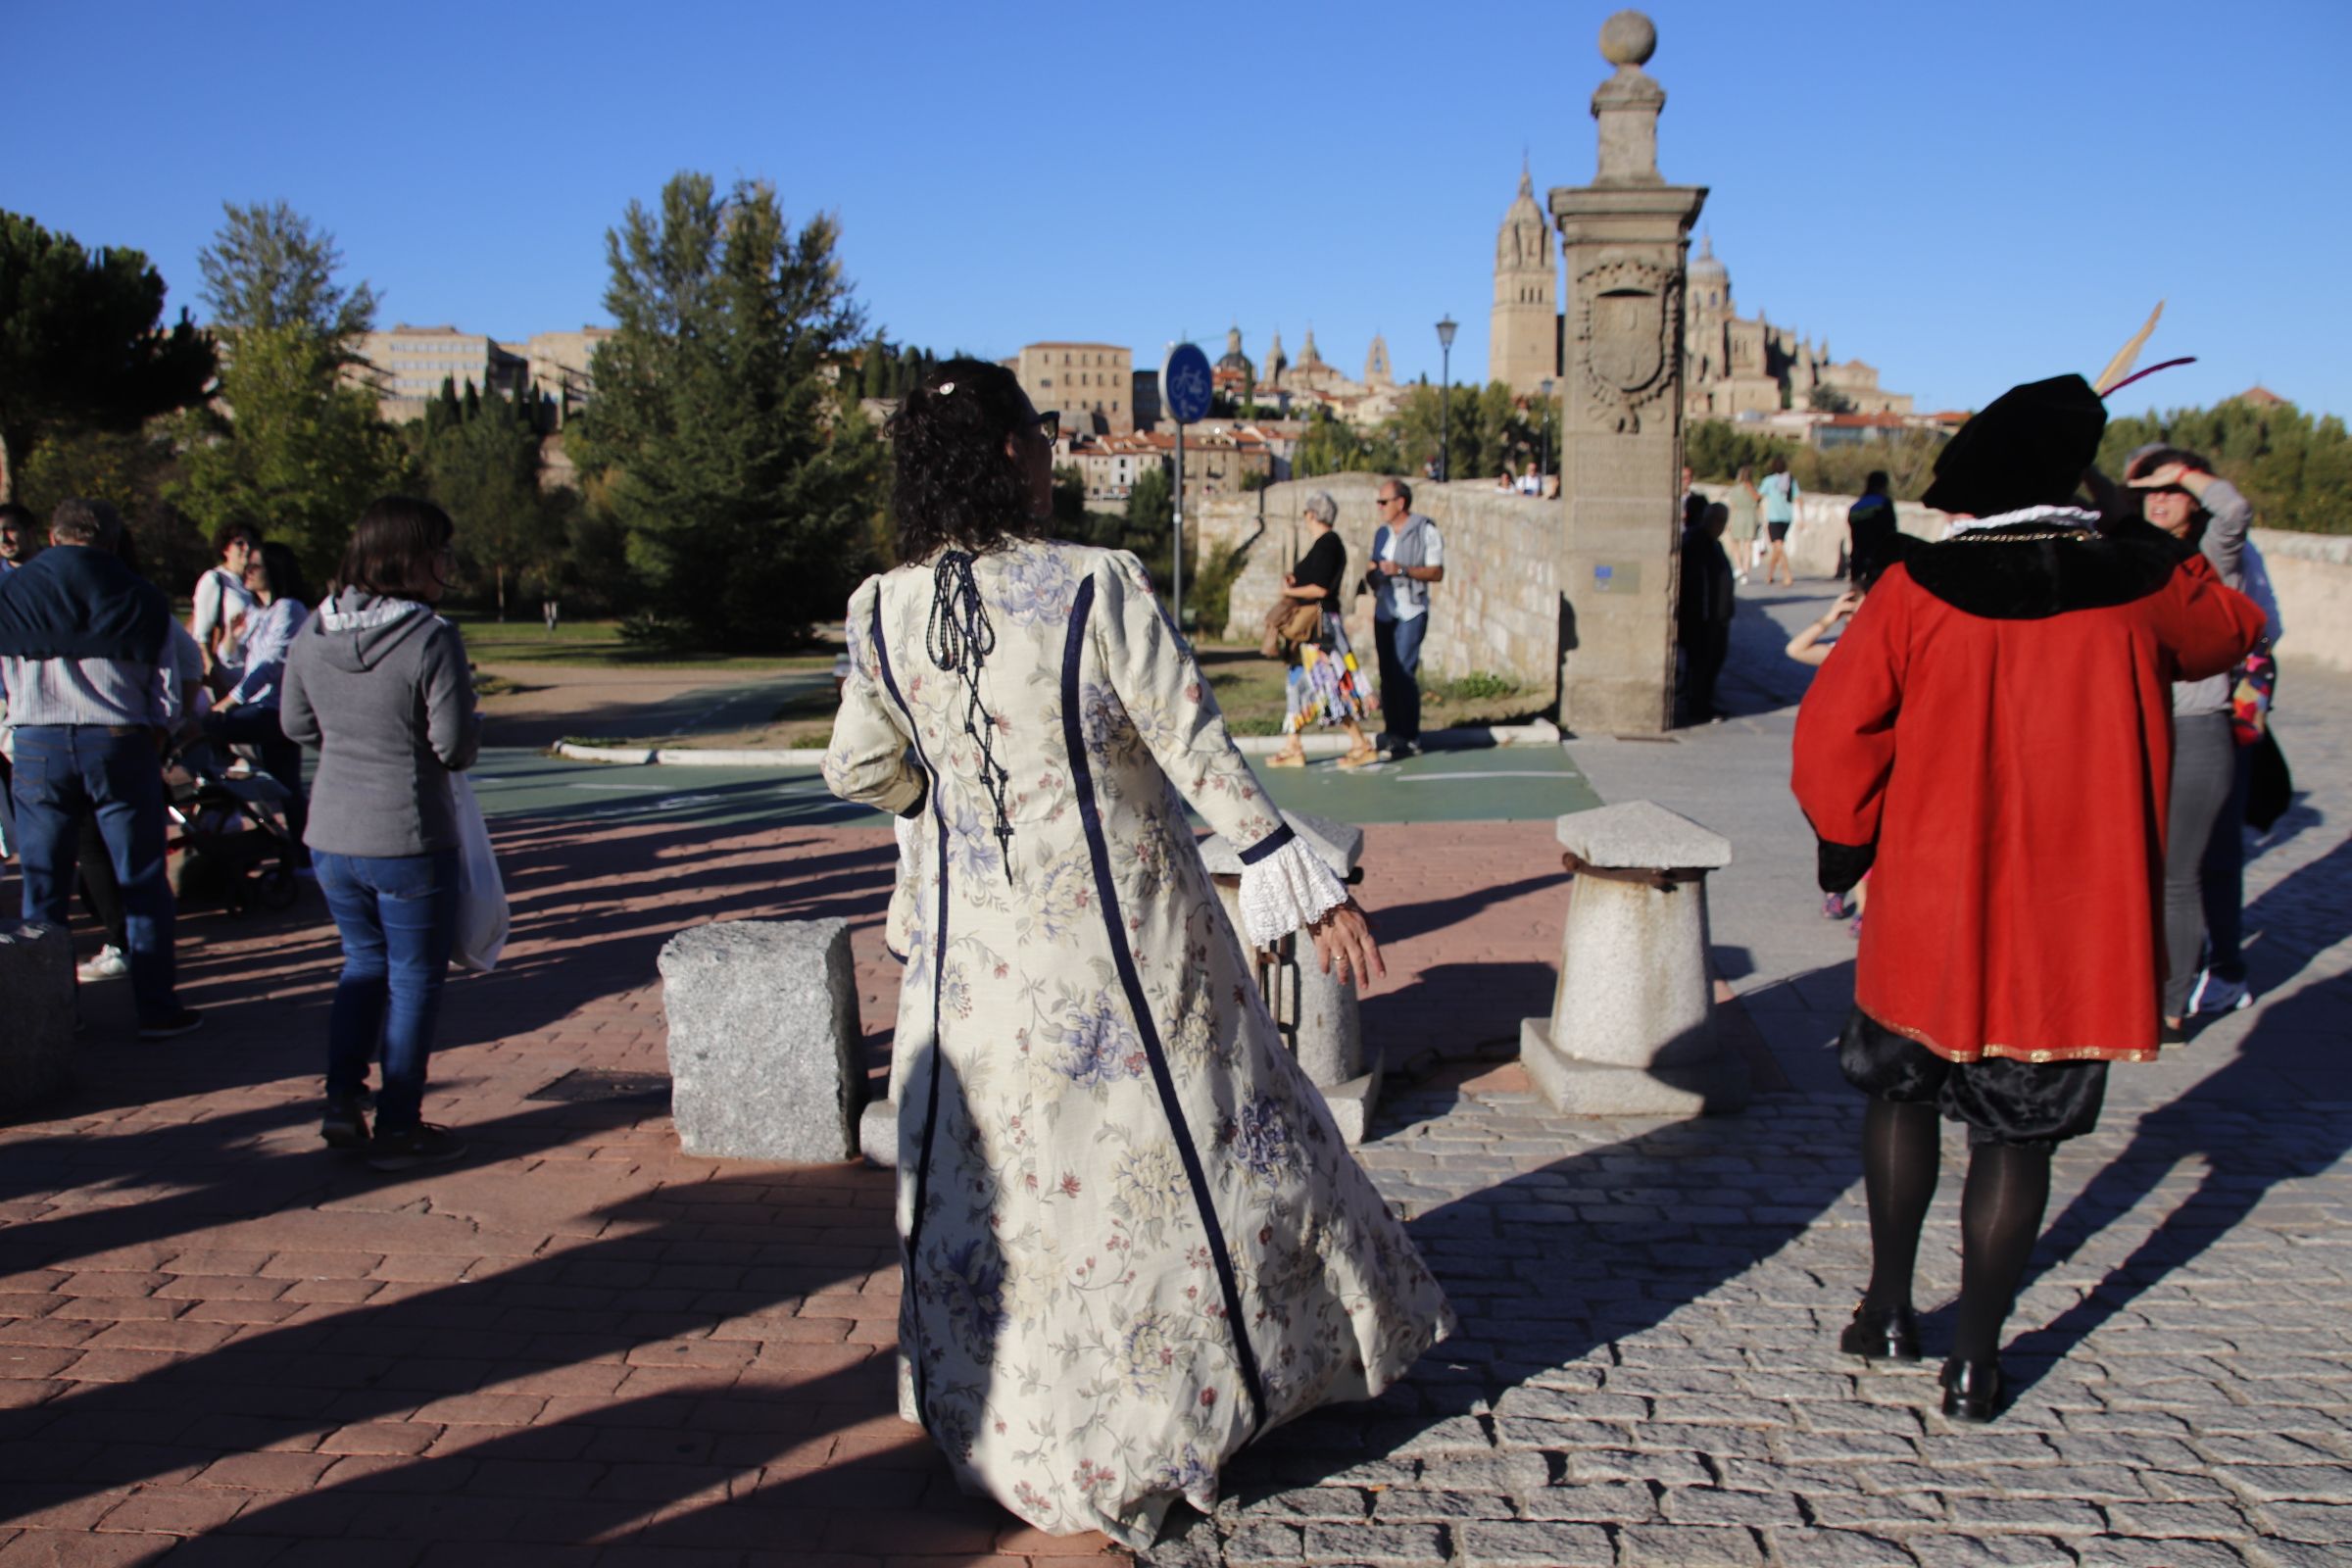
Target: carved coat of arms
1626	320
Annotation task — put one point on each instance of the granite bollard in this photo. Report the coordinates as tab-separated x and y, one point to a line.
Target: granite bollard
1317	1015
763	1059
36	997
1632	1031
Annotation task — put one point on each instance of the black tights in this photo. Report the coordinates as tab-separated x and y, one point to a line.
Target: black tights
2000	1217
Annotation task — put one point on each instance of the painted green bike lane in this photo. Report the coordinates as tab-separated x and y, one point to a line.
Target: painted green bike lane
1519	783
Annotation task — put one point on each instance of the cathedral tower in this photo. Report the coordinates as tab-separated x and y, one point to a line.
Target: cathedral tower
1523	342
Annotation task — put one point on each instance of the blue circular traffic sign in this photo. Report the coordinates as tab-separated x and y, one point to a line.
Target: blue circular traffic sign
1184	385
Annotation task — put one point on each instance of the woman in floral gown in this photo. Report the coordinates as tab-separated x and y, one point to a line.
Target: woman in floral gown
1132	1236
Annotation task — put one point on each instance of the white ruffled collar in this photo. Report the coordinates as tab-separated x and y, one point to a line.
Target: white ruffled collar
2054	516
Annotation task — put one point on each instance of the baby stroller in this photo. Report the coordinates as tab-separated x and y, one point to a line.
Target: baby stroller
229	835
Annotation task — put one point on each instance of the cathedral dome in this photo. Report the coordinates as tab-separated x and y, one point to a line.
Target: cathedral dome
1705	265
1234	362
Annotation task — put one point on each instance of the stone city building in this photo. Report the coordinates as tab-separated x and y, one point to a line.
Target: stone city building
1293	389
560	365
1091	386
1733	368
406	366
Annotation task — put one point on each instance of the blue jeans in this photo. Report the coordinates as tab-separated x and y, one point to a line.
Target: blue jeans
67	771
398	915
1398	645
258	727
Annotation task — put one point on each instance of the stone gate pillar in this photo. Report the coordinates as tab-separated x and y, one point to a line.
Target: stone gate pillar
1626	236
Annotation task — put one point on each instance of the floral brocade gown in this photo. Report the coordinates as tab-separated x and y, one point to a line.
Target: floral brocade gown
1133	1237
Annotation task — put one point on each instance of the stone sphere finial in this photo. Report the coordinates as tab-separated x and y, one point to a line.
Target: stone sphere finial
1629	38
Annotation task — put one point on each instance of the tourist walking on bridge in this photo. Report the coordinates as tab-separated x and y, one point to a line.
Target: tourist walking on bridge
1780	492
1409	554
1323	685
1931	753
1133	1237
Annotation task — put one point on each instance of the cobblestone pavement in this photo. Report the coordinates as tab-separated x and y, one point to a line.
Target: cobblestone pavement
221	1344
1647	1371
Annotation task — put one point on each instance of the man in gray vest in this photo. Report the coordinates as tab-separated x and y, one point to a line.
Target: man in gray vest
1407	555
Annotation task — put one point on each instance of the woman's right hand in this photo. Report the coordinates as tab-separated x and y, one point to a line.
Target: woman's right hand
1847	602
1345	947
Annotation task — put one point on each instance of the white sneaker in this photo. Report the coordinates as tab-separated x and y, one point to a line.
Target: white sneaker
111	964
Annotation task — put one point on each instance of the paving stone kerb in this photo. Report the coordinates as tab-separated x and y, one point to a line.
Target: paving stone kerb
1319	1013
1631	1030
36	999
763	1039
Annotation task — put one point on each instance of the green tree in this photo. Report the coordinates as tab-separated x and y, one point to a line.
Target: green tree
269	268
1150	506
130	468
1069	503
297	452
484	470
82	343
1826	399
2297	468
745	478
1333	446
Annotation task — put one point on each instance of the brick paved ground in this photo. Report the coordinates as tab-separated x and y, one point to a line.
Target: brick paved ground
221	1344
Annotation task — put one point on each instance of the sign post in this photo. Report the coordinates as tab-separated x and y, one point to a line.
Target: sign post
1184	391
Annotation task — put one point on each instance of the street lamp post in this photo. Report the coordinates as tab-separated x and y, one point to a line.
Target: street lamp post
1446	331
1544	468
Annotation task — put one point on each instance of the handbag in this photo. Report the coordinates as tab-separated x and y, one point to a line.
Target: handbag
482	918
2271	788
1291	623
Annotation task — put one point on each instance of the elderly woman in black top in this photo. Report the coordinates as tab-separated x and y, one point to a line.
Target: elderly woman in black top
1326	685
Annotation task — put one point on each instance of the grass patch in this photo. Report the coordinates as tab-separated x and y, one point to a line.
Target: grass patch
490	641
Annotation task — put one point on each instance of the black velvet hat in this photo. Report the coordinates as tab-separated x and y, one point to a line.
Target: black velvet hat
2027	447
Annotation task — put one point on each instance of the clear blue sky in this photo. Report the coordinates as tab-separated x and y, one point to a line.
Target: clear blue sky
1967	195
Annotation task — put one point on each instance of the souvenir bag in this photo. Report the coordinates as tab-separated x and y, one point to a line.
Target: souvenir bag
481	895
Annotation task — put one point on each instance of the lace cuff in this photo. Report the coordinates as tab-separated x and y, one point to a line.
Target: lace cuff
1287	891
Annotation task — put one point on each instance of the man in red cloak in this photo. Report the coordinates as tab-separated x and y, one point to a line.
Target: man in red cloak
1991	740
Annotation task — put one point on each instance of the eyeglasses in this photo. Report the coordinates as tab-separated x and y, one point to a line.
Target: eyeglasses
1389	500
1048	425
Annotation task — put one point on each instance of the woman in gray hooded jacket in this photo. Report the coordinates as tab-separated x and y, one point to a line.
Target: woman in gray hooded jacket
378	685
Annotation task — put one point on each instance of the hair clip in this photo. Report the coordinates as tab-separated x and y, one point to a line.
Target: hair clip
946	387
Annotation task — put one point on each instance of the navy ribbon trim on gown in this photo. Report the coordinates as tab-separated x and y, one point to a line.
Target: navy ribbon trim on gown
939	944
1131	982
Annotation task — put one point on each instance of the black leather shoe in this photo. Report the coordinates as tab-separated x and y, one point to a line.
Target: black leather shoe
1972	1390
1883	1334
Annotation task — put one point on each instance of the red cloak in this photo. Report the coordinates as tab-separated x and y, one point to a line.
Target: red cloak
1997	724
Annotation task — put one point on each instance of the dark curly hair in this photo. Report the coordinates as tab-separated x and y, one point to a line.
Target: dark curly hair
954	484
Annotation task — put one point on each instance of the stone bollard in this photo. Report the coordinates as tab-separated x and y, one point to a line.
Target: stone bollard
763	1039
1317	1015
1632	1031
36	997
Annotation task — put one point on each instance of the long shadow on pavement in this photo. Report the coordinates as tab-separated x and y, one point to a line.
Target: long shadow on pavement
2253	1124
1551	1269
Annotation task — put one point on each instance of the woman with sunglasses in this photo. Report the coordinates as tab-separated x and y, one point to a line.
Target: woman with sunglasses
379	686
1133	1237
